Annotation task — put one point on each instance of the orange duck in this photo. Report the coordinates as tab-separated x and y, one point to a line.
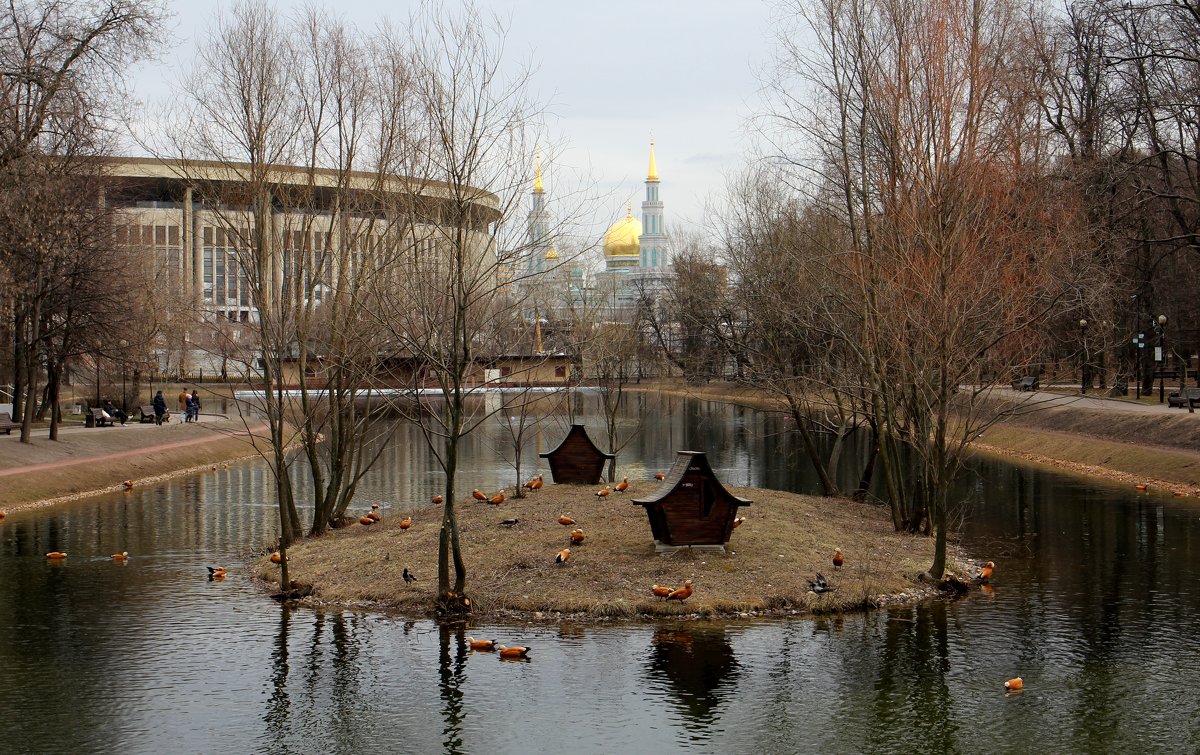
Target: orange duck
366	520
406	522
120	556
623	485
837	558
513	652
603	492
373	516
576	537
478	495
538	482
682	593
660	476
565	520
563	556
985	574
738	521
216	572
56	555
276	558
1015	684
662	591
128	484
497	499
437	499
475	644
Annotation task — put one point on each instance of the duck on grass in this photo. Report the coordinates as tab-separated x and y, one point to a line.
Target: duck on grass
515	563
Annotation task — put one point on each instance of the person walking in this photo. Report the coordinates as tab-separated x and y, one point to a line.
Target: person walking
183	395
195	405
160	408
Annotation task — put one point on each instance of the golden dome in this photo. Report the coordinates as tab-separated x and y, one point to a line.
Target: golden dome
621	238
551	255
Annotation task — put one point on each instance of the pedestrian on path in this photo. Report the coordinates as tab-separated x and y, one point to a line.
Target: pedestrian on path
195	405
160	408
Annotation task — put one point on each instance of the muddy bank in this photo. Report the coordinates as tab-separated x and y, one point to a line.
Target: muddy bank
786	540
91	461
1121	444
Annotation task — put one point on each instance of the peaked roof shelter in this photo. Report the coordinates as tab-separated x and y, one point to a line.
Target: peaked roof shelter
577	459
691	507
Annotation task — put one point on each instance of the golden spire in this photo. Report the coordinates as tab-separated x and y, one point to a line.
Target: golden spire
537	175
652	173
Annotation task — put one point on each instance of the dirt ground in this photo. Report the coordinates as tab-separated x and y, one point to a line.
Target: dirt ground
785	541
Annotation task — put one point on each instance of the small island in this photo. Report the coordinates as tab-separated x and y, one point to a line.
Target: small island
785	541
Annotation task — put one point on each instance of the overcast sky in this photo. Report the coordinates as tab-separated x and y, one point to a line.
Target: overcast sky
611	71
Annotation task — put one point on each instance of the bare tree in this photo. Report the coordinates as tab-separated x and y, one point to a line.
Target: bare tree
474	122
61	62
290	146
954	245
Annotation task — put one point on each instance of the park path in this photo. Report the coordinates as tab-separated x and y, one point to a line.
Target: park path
137	450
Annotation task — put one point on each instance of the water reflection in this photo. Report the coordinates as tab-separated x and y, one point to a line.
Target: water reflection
1094	603
452	661
911	679
277	717
693	665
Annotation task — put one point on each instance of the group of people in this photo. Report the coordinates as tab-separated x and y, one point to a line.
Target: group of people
189	404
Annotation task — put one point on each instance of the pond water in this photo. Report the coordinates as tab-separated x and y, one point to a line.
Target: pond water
1095	605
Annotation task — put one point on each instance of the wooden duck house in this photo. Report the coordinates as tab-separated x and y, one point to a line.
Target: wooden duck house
577	459
691	507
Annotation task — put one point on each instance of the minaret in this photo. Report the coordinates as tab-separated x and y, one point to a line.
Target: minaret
654	238
539	227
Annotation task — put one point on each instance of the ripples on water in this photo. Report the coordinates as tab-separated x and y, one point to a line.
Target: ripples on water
1095	604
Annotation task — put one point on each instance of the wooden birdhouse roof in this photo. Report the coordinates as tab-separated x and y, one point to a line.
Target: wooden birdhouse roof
696	463
577	459
691	507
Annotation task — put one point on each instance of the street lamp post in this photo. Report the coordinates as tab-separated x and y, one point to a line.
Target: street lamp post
1161	356
124	344
1083	364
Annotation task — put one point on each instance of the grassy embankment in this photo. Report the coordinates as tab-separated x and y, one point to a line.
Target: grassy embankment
1162	450
99	460
786	540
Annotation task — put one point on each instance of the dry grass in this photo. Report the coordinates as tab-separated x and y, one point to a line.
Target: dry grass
82	463
785	541
1162	450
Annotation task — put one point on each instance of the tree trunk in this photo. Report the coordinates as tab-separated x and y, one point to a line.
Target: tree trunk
53	378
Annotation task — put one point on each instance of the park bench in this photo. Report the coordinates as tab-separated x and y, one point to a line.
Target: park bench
147	411
1190	397
7	424
1027	383
97	419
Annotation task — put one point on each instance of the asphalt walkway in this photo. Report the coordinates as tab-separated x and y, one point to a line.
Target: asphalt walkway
88	445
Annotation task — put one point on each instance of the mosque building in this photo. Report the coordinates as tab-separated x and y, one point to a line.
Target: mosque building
636	252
